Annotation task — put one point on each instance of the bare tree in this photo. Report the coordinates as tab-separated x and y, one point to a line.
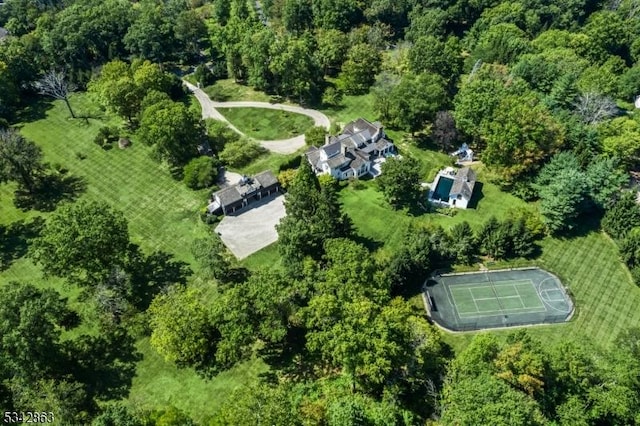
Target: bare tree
56	85
593	107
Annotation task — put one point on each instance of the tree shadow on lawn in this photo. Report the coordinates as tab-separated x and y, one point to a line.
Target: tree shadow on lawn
585	224
35	109
371	244
15	239
52	189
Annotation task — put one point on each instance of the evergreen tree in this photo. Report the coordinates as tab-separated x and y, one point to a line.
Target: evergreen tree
623	216
313	216
492	239
462	242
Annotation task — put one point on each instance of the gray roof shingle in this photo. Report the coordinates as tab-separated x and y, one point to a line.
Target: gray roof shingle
463	183
266	179
332	149
229	195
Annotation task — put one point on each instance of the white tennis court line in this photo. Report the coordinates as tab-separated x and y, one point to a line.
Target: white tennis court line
501	297
492	312
474	300
549	299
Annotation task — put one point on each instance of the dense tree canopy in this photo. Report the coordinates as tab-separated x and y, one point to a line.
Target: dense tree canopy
542	91
182	330
400	181
83	242
20	160
313	216
172	130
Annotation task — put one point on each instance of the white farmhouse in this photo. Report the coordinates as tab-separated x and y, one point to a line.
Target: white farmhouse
352	153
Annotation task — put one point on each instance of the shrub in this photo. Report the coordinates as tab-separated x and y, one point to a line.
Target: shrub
107	135
332	97
285	177
201	172
204	76
240	153
315	135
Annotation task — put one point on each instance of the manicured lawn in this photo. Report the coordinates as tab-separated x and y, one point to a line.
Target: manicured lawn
352	107
159	384
589	264
227	90
267	124
375	219
270	161
267	258
605	297
163	214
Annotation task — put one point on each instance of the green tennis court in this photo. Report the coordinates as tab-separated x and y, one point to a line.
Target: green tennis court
473	301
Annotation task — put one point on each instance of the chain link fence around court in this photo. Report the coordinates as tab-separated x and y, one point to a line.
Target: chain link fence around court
494	299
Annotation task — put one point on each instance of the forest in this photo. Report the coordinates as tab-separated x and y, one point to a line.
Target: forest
121	305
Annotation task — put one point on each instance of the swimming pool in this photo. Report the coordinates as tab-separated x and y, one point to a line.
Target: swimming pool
443	187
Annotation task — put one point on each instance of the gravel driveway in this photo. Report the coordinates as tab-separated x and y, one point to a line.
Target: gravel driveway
252	228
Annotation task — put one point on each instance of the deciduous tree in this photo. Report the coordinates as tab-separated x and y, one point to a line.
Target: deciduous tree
400	181
172	130
359	69
521	135
213	257
182	330
201	172
415	101
82	242
20	160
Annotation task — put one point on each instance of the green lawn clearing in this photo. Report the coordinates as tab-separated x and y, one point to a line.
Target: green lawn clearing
352	108
163	214
228	90
376	220
604	295
159	384
269	161
606	299
267	124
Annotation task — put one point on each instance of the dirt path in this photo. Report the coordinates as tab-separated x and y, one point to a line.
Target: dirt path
282	146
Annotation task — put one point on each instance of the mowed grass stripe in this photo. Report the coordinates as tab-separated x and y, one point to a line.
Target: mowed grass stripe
600	284
162	214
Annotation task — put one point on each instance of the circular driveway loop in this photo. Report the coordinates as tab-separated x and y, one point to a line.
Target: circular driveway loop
281	146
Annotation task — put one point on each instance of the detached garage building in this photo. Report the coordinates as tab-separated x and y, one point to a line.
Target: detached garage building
240	195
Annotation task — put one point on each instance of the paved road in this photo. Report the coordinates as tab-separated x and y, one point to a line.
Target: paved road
282	146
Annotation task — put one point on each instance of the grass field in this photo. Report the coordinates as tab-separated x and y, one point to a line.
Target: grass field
227	90
375	219
606	299
159	384
352	107
162	215
267	124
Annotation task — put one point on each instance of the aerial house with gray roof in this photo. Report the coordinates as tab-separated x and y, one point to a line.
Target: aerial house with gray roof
352	153
453	188
248	190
